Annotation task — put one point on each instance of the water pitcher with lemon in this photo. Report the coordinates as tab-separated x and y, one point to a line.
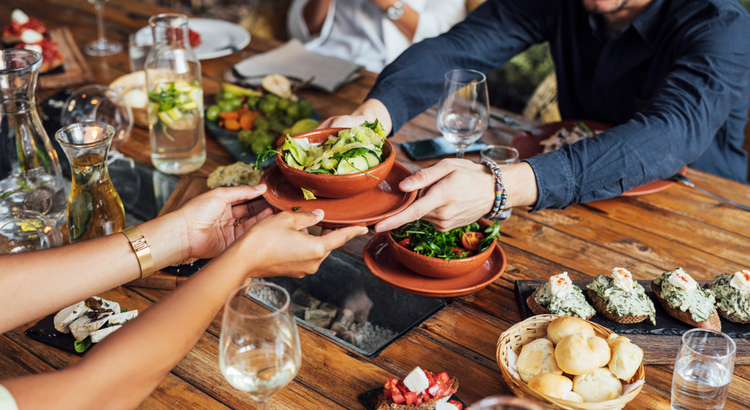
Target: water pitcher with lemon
175	98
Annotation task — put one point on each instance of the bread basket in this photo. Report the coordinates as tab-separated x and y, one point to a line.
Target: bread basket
534	328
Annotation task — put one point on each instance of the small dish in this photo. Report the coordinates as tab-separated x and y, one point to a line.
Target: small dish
337	186
127	83
437	267
219	38
528	146
367	208
379	258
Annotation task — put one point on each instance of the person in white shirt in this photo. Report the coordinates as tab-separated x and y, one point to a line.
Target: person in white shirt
129	364
371	33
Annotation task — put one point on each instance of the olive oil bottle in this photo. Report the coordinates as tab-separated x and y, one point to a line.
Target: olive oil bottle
94	208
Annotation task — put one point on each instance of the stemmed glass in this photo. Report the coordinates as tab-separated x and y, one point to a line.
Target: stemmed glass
259	351
504	403
463	110
102	46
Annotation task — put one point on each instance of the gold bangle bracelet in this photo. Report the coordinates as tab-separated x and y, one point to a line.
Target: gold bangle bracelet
142	250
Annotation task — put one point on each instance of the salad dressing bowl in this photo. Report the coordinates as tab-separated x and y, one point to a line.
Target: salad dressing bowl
337	186
437	267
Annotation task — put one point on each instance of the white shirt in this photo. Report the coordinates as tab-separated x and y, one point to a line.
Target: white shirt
6	400
359	31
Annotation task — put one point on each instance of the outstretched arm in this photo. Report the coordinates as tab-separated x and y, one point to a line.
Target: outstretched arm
123	370
35	284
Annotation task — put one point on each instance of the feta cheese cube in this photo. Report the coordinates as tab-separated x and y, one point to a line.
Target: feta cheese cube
100	334
416	381
31	37
33	47
19	17
83	326
121	318
65	317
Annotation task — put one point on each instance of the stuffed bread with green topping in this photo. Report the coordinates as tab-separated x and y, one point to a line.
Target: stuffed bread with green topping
732	293
680	295
559	296
621	299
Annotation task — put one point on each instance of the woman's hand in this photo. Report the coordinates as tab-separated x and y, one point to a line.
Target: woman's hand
215	219
370	110
457	193
279	245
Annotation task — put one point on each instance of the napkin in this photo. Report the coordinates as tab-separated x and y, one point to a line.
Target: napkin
294	61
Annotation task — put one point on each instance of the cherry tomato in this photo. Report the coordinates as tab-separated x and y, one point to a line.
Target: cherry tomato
471	240
461	251
457	404
406	243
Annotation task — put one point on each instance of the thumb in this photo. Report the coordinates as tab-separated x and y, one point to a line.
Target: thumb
426	177
336	239
306	219
239	194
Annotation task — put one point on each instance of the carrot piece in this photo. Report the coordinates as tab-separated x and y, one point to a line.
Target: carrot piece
247	120
242	111
232	124
230	115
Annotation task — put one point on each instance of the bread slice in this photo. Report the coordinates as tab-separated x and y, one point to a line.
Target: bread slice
731	318
601	308
538	309
713	322
385	403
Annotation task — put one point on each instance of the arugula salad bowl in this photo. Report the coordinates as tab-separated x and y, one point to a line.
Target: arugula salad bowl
437	267
337	186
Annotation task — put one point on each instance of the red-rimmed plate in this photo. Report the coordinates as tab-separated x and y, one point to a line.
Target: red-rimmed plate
367	208
383	264
528	146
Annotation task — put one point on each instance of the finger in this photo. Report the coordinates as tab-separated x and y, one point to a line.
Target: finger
250	222
339	237
306	219
247	210
239	194
426	177
326	231
326	123
421	207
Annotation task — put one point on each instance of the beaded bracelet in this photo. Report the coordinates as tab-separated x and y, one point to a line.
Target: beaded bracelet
501	195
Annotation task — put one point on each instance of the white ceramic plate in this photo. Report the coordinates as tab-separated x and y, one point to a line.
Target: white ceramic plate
217	37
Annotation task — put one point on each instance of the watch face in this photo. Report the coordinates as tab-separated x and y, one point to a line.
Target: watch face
396	11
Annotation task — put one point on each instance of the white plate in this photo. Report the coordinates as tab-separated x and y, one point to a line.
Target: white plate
217	37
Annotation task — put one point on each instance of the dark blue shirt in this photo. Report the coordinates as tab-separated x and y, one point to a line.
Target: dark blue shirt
676	82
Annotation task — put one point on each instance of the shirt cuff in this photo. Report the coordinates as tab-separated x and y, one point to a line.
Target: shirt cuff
554	181
394	101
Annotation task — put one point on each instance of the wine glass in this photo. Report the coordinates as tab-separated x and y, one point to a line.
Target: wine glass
259	351
504	403
102	46
463	110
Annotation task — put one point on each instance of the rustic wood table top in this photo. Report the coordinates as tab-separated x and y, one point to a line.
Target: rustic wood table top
647	234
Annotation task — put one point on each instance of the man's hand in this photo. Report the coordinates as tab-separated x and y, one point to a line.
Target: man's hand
457	193
370	110
279	245
214	220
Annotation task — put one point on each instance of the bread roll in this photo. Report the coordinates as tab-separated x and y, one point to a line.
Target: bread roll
626	357
564	326
553	385
535	358
581	353
599	385
573	396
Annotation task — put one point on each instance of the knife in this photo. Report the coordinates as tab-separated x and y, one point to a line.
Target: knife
514	124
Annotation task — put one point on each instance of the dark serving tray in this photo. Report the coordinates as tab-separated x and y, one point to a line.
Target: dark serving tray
665	324
44	331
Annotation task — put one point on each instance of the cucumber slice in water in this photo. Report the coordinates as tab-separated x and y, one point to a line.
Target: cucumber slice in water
81	207
352	166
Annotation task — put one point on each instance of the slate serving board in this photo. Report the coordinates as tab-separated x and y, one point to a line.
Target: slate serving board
370	398
660	343
44	331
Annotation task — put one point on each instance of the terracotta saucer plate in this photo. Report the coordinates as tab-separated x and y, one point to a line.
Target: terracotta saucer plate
367	208
528	146
383	264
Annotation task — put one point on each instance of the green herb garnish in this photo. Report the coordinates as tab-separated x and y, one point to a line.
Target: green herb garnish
296	208
263	156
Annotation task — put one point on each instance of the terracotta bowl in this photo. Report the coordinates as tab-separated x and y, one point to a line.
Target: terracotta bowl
337	186
122	85
437	267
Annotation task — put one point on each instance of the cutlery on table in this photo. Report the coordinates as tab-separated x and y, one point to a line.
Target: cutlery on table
685	180
514	124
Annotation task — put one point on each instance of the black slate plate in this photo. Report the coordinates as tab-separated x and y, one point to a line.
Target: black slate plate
370	398
665	324
44	331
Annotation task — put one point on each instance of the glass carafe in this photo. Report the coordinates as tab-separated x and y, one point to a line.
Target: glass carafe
30	177
94	208
24	231
175	94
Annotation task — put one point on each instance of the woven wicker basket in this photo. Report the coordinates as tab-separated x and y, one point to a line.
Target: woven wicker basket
534	328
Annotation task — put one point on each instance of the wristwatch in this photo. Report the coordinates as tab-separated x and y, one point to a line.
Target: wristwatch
396	11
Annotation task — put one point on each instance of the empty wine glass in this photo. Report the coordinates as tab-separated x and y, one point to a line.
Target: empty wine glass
102	104
259	350
463	110
102	46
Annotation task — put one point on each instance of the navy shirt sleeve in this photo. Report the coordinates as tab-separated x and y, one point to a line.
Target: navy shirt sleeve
674	128
491	35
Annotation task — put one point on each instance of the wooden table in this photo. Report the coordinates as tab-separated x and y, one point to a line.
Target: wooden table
648	235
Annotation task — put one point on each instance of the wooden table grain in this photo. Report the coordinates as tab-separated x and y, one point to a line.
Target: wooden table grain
647	235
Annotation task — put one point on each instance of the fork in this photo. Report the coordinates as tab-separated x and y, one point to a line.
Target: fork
688	182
